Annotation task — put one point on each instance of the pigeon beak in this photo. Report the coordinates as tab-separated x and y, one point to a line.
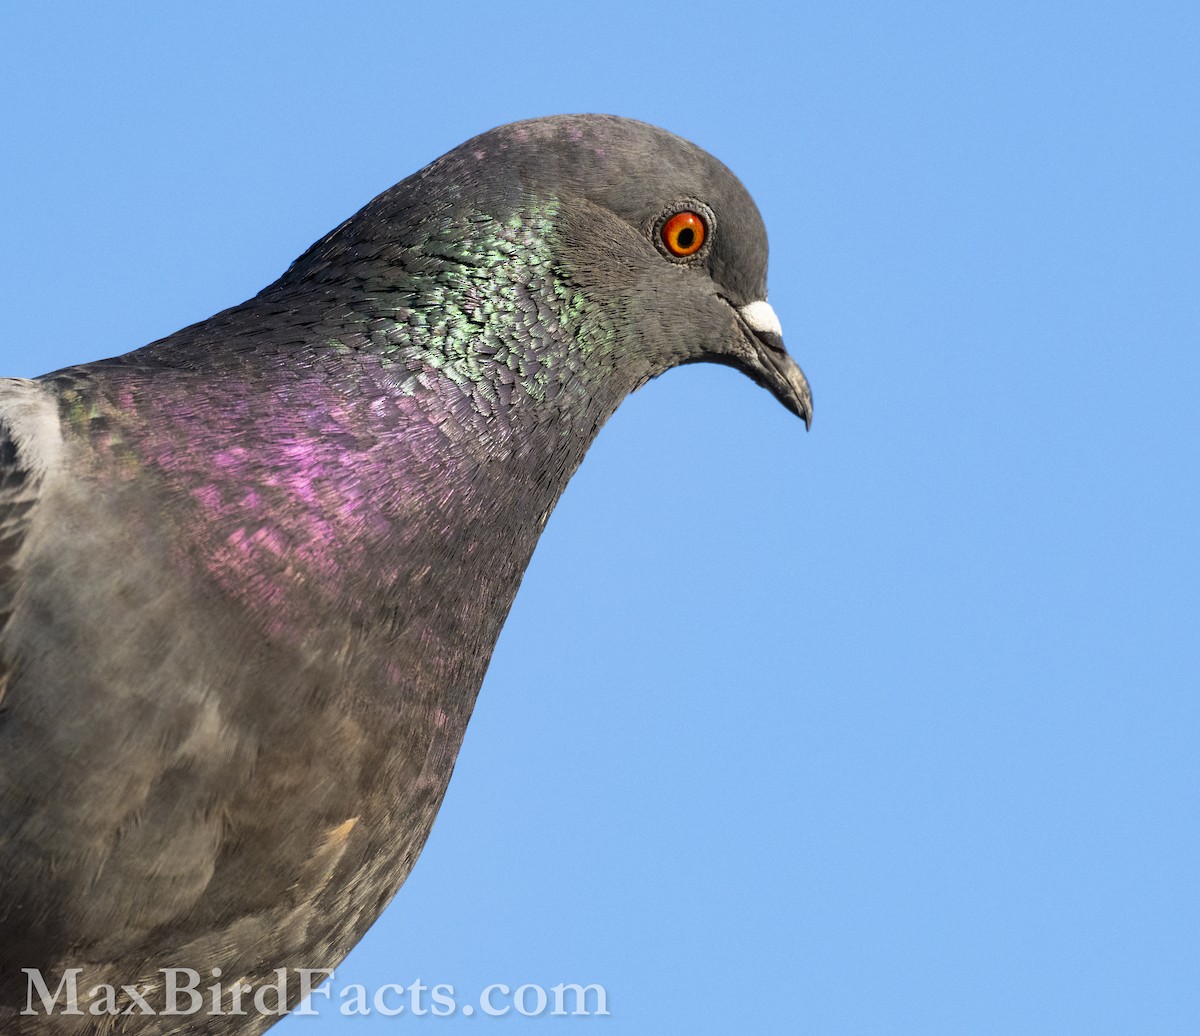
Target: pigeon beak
773	367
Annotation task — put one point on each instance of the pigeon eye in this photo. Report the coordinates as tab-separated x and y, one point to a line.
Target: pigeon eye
684	233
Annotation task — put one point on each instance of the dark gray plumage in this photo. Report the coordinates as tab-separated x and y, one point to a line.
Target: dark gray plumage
251	575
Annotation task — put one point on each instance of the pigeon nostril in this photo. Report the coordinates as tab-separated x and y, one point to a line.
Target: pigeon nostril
771	340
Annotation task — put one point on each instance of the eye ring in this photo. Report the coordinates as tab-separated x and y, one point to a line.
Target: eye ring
683	232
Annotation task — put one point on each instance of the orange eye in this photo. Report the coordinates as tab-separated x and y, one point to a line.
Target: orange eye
684	233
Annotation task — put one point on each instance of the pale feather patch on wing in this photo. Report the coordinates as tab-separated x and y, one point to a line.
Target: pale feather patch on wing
30	448
29	415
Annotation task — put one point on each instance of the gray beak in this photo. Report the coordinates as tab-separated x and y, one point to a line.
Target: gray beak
773	367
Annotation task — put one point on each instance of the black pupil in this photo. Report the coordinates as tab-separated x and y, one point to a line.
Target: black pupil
686	236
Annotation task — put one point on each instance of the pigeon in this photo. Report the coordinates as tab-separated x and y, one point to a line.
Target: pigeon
251	575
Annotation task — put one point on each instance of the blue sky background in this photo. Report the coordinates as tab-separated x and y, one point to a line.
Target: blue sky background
889	728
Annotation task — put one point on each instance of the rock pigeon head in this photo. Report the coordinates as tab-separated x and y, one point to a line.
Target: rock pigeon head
657	253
